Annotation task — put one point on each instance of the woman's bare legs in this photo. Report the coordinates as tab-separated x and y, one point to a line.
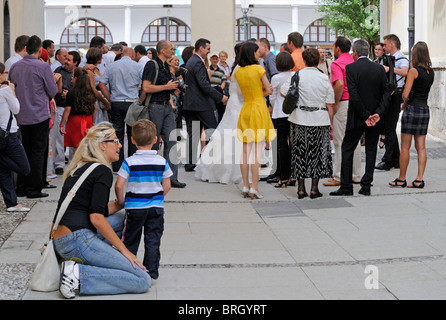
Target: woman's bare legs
255	166
244	165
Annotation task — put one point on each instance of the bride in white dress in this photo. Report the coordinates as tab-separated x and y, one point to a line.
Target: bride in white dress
220	159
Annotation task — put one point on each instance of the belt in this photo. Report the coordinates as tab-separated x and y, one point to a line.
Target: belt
127	100
312	109
164	103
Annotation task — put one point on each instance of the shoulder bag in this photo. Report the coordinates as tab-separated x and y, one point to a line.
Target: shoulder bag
46	276
292	97
138	111
4	135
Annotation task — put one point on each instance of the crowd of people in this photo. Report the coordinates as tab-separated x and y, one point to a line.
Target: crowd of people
81	103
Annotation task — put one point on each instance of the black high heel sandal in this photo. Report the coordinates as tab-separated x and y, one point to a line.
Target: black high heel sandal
281	184
315	194
302	194
292	183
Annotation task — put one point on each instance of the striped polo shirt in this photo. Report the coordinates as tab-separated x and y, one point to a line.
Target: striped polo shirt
144	172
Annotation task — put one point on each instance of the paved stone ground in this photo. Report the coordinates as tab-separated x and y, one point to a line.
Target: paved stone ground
219	246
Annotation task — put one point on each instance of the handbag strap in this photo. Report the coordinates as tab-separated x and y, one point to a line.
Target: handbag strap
70	196
149	97
8	129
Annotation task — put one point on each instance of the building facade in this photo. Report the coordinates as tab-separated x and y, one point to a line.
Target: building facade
71	23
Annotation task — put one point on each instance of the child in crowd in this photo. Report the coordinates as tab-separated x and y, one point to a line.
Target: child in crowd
148	176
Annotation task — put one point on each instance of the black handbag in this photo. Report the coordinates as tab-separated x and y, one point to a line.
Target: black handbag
4	135
292	97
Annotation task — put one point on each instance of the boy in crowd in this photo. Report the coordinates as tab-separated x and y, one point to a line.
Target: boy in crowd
148	176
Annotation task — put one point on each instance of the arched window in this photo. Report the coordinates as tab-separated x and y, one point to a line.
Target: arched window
167	28
318	34
83	30
256	29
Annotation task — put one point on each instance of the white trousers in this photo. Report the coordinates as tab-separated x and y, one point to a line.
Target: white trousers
339	126
57	140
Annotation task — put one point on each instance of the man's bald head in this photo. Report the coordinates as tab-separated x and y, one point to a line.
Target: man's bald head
129	52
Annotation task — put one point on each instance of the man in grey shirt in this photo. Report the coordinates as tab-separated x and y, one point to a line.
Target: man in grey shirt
123	77
36	85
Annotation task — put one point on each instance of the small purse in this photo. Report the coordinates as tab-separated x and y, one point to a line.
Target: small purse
4	135
46	276
292	97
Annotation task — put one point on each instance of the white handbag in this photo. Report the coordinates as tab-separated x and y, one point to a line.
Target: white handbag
46	276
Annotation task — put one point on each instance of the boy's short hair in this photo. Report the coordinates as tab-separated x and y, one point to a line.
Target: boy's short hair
144	132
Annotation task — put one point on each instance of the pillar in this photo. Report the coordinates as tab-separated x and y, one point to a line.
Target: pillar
26	17
215	21
295	19
128	25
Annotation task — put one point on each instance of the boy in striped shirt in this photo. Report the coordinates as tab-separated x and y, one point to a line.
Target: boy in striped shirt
148	181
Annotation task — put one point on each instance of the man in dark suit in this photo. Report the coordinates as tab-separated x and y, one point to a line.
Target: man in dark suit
200	99
369	100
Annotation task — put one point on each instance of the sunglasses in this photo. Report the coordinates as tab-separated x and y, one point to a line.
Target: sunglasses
113	140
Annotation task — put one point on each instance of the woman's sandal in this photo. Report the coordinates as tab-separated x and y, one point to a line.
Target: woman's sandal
292	183
398	183
420	185
302	194
281	184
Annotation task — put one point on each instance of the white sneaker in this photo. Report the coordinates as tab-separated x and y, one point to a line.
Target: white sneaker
68	281
18	208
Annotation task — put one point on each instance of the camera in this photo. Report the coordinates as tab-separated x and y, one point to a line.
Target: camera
6	83
181	85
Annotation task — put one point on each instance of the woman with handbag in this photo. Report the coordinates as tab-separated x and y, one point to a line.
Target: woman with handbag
96	260
12	155
310	126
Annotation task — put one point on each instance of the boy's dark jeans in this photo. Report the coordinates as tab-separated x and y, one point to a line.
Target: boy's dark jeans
152	220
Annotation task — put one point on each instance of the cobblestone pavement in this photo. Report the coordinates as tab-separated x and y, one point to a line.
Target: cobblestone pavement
228	231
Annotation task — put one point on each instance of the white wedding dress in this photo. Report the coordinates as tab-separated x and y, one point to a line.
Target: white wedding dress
220	159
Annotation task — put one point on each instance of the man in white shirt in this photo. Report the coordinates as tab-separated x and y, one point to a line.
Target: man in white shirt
20	51
116	49
141	55
61	58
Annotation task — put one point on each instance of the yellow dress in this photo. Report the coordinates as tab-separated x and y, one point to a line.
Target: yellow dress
254	124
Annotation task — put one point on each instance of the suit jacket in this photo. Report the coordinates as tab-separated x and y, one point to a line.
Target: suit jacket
368	90
199	90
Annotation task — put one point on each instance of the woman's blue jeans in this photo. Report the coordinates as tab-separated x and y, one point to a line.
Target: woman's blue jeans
103	269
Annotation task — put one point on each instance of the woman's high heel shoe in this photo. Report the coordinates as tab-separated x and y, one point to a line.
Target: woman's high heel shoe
302	194
245	192
282	184
292	183
254	194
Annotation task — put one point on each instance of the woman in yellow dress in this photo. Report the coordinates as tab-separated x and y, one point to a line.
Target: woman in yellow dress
255	125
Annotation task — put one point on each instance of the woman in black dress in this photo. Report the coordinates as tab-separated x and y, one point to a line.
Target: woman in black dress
415	119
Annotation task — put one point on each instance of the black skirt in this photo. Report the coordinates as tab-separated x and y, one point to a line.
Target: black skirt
310	152
415	120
